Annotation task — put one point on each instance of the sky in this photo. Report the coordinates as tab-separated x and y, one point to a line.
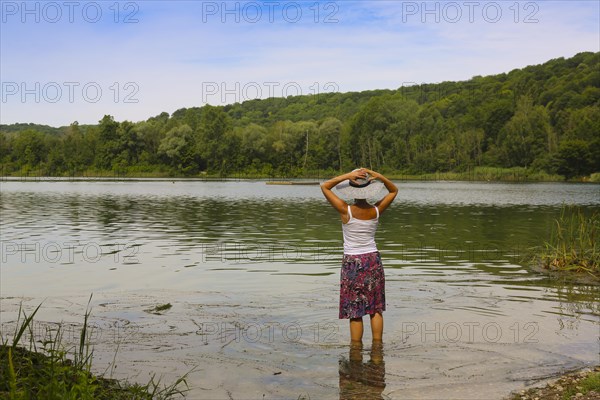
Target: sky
65	61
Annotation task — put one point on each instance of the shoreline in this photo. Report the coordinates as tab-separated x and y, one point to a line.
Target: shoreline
567	276
571	384
269	180
472	174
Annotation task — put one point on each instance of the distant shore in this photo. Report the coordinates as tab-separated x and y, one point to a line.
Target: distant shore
480	174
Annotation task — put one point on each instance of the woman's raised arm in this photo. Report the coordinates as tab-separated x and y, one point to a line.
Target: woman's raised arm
389	185
337	203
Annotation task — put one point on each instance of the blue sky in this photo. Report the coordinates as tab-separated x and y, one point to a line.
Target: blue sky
65	61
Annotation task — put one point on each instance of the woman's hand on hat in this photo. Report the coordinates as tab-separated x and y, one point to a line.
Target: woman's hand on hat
372	174
360	173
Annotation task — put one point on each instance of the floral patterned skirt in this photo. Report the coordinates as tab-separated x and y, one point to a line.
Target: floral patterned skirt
362	285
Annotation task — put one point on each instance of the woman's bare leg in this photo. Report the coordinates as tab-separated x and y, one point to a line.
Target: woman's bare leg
377	326
356	329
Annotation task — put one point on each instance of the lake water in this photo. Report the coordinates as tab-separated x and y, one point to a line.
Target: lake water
252	273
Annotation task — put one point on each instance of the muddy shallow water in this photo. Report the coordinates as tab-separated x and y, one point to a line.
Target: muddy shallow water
251	271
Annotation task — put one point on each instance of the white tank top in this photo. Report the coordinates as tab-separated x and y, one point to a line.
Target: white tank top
359	234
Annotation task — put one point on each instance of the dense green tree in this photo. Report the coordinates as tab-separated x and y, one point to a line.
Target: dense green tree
573	158
372	130
211	144
526	135
29	149
326	150
253	146
77	153
177	149
150	134
289	145
108	146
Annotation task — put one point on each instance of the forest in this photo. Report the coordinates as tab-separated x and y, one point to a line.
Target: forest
544	119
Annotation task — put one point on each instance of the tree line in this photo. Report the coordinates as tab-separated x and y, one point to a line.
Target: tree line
544	118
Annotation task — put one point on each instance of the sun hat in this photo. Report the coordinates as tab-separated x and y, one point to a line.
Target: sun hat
361	188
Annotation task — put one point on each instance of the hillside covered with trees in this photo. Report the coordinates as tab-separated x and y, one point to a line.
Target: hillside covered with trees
545	118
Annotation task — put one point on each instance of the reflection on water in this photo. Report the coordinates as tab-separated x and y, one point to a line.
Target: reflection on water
577	303
463	306
359	379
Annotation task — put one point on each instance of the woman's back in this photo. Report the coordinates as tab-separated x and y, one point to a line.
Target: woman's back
361	212
359	232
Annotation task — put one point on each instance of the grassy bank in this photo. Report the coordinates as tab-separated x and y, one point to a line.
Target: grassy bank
573	246
485	174
45	368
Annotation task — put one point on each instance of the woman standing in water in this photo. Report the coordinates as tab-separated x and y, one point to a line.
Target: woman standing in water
362	278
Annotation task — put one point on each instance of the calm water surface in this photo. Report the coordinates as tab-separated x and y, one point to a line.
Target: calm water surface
252	272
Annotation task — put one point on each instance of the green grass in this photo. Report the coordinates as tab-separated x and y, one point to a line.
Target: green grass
492	174
484	174
587	384
573	244
47	369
